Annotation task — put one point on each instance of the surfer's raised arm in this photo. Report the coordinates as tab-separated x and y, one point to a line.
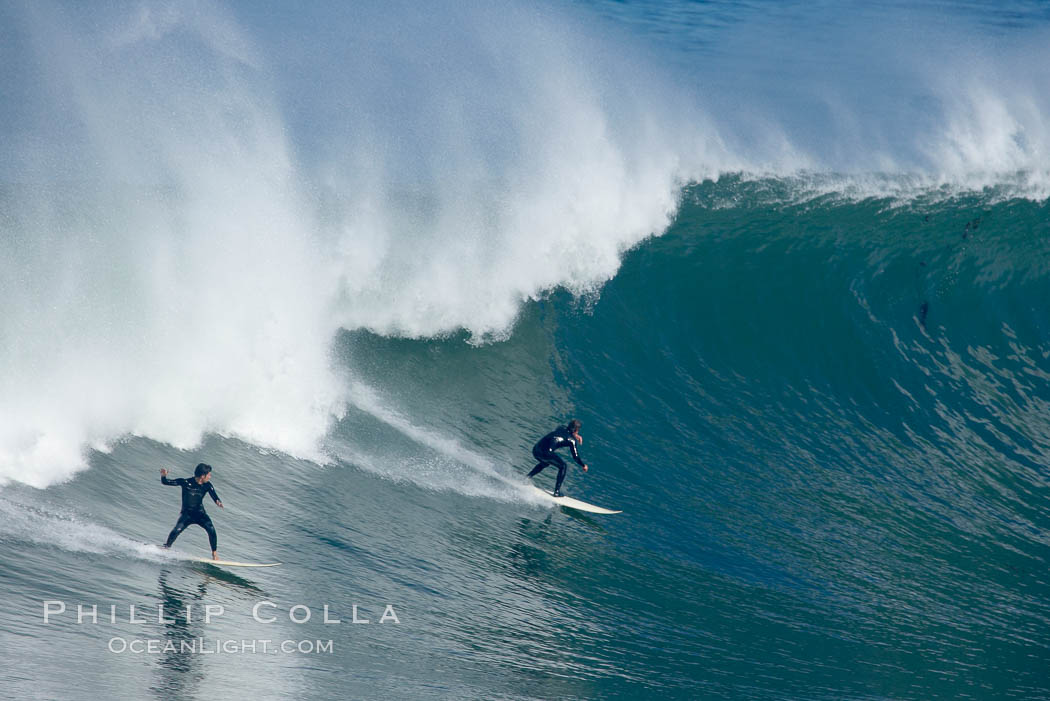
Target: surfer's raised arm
165	481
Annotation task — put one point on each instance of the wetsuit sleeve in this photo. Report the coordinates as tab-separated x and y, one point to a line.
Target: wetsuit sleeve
575	455
214	494
171	483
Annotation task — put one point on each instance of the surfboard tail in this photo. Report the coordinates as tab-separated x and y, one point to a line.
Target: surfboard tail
231	563
571	503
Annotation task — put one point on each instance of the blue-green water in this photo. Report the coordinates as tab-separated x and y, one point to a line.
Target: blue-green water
811	369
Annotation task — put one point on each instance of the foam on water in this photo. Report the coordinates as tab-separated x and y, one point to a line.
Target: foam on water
25	521
439	462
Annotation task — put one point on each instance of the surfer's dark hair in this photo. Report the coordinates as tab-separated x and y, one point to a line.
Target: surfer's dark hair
574	426
202	469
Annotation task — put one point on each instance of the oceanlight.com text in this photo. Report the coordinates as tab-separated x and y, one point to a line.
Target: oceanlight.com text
200	646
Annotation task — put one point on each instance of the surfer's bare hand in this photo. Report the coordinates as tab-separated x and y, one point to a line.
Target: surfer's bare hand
219	504
163	472
584	468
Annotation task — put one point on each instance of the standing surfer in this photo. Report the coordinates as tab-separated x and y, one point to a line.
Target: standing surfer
561	437
193	491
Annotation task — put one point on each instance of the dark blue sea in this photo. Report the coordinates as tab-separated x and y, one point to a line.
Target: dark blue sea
788	262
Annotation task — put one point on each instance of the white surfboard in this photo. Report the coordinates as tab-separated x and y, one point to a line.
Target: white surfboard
230	563
575	503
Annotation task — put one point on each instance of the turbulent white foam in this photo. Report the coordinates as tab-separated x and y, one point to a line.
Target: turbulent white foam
518	164
30	523
447	473
174	288
894	101
197	199
442	463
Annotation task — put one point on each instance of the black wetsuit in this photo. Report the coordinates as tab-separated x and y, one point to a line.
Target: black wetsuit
192	508
544	452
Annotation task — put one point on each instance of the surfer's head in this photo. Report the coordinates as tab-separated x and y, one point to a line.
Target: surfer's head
574	426
202	473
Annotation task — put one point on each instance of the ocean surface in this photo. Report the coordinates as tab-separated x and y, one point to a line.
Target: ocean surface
788	262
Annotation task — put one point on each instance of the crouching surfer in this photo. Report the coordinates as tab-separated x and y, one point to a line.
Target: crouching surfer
193	491
567	436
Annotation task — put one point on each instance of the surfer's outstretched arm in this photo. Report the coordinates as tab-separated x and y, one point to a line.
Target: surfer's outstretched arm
167	482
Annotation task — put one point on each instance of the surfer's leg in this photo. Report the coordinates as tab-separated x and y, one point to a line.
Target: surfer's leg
204	522
180	526
543	459
561	475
